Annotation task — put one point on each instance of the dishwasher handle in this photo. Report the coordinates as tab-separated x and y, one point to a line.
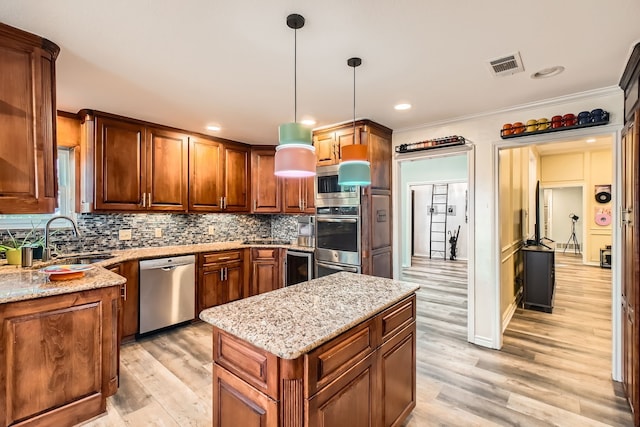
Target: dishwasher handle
167	263
173	267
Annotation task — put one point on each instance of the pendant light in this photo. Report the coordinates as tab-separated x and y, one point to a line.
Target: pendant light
295	153
354	168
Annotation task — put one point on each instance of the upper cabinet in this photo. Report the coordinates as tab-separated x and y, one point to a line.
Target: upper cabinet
266	188
28	181
130	165
299	195
329	143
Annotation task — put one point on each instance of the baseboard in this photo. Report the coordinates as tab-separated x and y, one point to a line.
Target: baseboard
508	315
484	342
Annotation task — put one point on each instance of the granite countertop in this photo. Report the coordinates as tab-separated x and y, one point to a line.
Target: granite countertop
18	283
290	322
24	284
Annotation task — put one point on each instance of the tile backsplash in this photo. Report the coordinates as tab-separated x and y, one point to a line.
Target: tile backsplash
99	232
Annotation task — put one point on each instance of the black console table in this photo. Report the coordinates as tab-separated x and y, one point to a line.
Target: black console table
539	278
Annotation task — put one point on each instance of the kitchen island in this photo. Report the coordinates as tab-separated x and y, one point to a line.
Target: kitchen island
334	351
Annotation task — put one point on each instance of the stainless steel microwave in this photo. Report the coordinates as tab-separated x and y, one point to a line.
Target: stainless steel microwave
330	193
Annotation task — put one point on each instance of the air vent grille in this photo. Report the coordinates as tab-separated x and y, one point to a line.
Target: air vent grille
506	65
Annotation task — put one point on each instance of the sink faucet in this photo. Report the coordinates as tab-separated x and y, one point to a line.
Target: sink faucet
46	255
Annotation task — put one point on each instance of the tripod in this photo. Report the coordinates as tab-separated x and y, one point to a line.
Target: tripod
573	238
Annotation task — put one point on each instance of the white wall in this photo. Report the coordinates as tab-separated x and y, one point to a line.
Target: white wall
424	171
457	197
484	132
566	201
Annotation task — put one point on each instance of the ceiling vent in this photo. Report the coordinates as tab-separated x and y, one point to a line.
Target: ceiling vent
506	65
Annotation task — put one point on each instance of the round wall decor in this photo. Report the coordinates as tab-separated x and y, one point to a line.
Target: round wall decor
603	197
603	219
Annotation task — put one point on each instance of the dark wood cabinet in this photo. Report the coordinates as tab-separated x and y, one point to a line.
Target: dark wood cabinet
266	271
375	200
266	188
221	278
206	175
132	167
237	178
299	195
28	179
59	357
630	234
365	376
130	299
539	277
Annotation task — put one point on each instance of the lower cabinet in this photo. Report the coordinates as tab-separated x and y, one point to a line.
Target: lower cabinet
539	278
364	377
58	357
221	278
130	299
266	273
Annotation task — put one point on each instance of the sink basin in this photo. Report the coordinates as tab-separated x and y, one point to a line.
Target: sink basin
266	242
84	259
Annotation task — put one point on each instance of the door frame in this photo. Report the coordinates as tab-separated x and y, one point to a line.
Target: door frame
615	132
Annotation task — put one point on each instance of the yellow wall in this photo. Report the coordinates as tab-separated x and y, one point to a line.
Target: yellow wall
589	168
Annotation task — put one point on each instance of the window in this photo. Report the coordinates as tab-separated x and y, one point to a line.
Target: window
66	180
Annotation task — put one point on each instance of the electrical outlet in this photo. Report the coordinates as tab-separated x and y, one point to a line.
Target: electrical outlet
124	234
158	232
210	232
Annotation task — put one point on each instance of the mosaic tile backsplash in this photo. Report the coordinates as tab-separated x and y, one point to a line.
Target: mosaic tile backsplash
99	232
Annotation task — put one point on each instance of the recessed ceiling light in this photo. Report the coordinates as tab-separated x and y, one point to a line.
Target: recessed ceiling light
590	140
401	107
213	128
548	72
308	122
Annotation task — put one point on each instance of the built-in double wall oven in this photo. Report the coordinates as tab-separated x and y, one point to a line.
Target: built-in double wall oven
338	224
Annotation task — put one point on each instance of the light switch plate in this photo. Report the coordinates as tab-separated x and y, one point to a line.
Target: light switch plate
124	234
210	231
158	232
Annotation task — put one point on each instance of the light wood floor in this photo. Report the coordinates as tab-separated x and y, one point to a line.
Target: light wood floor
554	369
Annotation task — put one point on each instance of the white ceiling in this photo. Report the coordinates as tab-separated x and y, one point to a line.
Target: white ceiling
191	63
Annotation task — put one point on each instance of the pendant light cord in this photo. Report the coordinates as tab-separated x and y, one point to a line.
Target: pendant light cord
354	105
295	75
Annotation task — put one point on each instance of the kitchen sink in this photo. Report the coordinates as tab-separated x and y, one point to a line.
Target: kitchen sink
84	259
266	242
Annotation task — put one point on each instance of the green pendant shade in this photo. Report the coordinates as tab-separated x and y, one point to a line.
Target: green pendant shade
294	133
355	172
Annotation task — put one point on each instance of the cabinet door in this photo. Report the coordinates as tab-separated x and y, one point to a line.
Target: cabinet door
296	195
205	175
398	374
265	270
265	186
28	181
309	199
231	287
326	148
345	137
167	170
351	400
236	403
237	179
120	159
209	287
130	271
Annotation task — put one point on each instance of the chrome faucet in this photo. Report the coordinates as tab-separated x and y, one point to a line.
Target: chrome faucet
46	255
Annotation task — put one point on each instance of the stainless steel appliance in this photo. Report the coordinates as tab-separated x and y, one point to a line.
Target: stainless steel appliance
307	231
338	238
330	193
298	267
327	268
167	292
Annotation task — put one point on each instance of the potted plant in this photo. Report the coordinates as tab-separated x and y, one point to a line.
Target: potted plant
13	247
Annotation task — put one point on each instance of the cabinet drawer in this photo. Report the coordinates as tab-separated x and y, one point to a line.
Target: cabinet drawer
264	253
335	357
225	256
253	365
397	317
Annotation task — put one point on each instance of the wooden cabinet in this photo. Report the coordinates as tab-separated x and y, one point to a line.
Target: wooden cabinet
329	143
266	188
630	234
129	317
28	180
375	200
266	271
539	278
364	377
132	167
299	195
237	178
58	357
221	278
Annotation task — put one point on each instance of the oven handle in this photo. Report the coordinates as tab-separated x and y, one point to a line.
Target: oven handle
320	219
337	267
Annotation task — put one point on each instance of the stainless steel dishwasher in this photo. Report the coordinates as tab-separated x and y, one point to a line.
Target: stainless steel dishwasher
167	292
